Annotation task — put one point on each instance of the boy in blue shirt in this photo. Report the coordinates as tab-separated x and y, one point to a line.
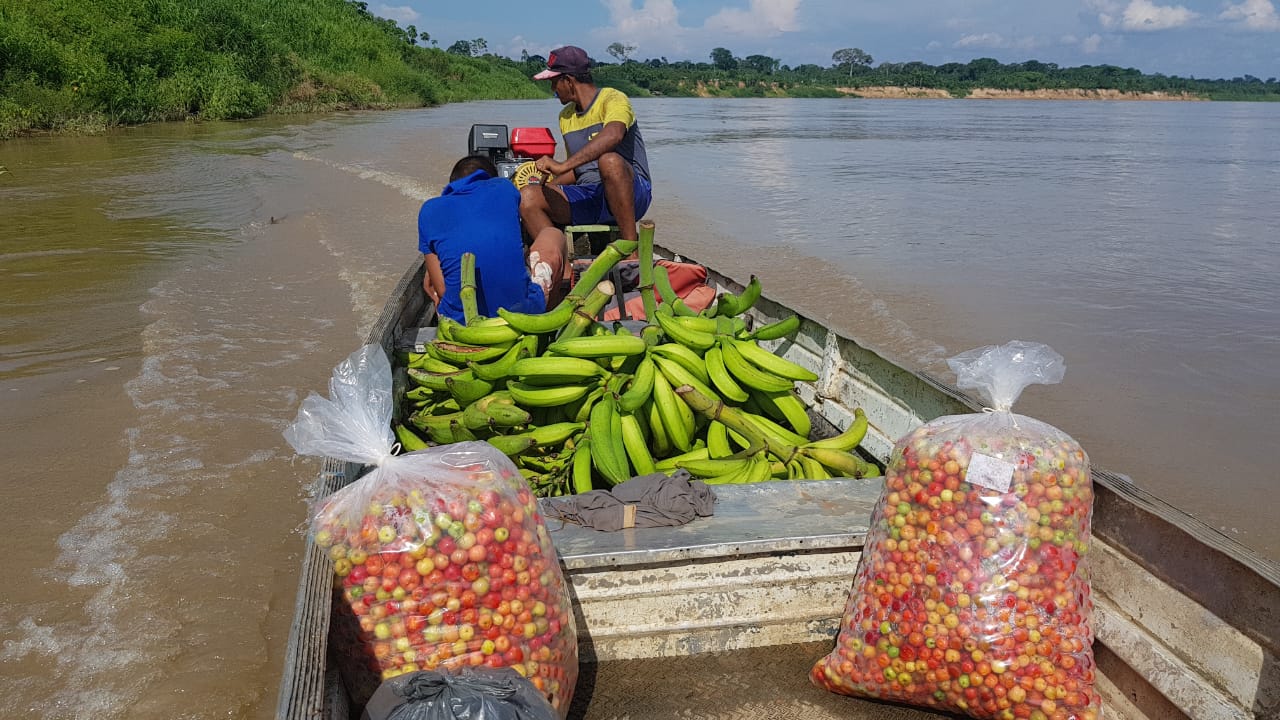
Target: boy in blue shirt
478	212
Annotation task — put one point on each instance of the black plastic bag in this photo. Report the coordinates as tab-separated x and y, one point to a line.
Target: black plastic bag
469	694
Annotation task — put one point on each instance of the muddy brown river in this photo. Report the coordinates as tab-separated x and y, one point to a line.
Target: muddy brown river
172	292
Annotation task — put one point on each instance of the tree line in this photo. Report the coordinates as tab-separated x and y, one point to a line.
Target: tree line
83	65
755	75
851	68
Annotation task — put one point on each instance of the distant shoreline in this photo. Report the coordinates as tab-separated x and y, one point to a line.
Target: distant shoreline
878	92
887	92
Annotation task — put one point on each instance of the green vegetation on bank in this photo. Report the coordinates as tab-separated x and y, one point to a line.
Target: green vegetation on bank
69	65
85	65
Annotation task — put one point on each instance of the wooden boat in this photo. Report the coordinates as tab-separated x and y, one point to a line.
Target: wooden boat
723	617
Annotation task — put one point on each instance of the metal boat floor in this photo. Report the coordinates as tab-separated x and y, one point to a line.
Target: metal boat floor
757	683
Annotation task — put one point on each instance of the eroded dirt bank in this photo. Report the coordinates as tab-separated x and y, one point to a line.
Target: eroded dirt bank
995	94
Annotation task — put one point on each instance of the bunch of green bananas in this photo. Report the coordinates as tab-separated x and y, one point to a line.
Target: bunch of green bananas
728	406
580	405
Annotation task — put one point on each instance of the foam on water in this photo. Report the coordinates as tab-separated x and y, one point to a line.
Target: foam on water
366	282
60	252
124	624
213	370
410	187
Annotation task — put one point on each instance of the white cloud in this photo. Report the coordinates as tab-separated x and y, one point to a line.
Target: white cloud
1091	44
762	18
653	16
1141	15
513	47
399	13
1253	14
654	27
983	40
1107	10
996	41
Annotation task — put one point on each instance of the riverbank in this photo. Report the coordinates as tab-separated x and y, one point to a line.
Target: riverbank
299	102
883	92
876	92
98	125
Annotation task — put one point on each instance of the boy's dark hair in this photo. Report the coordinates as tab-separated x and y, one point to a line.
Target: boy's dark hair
470	164
583	77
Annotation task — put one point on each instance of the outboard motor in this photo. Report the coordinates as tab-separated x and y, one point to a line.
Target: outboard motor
513	153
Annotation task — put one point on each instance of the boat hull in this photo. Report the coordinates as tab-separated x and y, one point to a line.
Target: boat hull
1186	619
754	575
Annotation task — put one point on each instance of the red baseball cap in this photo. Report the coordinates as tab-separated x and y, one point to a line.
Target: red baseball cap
568	60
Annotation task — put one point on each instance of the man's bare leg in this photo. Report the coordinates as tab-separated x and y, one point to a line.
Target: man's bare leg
547	264
540	207
619	193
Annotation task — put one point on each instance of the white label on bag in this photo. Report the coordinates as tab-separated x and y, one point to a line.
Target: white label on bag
989	472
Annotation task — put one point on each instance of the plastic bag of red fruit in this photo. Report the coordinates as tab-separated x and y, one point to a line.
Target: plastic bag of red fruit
440	557
972	594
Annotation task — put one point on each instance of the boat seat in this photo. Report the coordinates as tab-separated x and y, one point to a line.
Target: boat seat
588	241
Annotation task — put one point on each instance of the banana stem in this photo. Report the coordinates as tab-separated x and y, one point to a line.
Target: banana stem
733	419
585	316
604	262
677	306
663	283
468	290
646	269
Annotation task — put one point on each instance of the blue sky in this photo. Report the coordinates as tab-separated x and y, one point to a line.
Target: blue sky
1209	39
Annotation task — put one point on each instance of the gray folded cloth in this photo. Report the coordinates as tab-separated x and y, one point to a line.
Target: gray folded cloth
656	500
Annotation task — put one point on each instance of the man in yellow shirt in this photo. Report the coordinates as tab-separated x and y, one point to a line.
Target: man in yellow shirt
604	177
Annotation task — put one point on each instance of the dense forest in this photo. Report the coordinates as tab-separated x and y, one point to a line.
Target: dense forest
84	65
759	75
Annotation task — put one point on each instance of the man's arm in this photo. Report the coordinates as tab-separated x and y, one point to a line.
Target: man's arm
604	141
433	280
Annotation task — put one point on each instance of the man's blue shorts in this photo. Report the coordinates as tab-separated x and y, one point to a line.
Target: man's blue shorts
589	208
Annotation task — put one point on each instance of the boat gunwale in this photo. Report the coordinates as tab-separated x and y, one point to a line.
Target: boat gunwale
303	694
716	550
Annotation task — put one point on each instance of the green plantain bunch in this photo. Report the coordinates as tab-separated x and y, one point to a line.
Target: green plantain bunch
579	405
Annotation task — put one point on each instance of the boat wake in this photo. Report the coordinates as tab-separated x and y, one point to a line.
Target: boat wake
410	187
171	581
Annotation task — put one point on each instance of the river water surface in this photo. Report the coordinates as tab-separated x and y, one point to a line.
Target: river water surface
172	292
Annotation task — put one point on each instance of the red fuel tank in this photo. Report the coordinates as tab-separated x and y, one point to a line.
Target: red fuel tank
532	142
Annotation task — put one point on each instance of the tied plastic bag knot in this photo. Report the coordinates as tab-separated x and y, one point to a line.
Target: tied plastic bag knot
1001	372
420	687
395	450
